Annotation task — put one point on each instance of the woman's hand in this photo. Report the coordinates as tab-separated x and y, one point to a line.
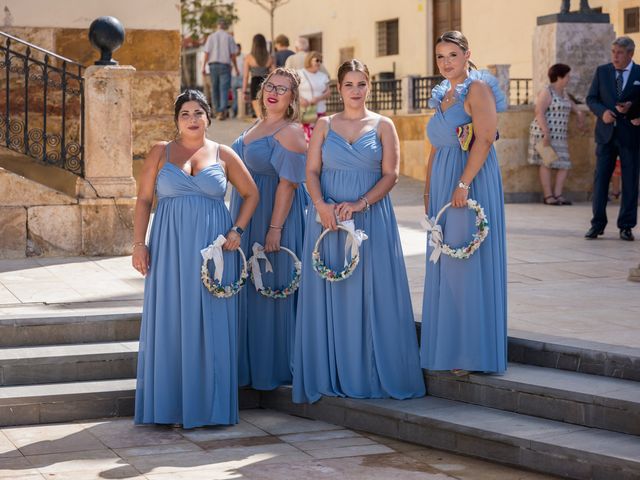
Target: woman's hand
272	240
327	214
459	197
546	140
233	240
345	210
304	102
313	101
140	259
636	122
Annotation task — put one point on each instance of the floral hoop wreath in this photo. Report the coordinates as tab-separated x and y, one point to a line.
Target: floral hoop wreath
256	274
462	253
354	239
214	285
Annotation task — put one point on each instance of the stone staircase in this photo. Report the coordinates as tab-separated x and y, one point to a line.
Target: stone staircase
568	408
564	407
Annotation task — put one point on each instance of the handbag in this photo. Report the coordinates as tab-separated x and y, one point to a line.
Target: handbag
466	137
547	154
310	112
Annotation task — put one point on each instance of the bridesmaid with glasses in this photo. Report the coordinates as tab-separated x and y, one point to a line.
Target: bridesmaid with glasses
274	151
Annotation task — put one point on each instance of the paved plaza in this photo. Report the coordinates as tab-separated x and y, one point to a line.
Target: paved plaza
560	285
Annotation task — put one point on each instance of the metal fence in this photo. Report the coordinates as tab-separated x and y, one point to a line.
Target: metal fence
384	95
421	87
42	109
520	91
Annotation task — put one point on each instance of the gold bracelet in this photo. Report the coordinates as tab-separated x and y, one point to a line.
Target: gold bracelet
138	244
425	194
275	227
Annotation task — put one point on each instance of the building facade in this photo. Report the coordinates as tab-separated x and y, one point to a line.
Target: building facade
398	36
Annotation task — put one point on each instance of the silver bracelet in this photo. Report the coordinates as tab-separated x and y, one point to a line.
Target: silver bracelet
366	203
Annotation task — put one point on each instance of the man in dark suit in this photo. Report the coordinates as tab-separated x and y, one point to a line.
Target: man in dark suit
612	97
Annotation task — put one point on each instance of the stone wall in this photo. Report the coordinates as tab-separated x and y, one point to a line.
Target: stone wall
520	179
155	54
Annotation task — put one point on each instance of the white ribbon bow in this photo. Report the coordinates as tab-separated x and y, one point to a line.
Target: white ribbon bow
354	240
434	232
214	252
258	254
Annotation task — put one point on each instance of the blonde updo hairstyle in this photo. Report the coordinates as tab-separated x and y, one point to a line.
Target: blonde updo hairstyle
293	111
457	38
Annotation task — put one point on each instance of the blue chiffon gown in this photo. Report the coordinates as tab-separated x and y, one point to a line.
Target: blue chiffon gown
187	362
266	326
464	315
357	337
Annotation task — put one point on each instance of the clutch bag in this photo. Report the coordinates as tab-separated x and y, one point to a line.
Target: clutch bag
466	137
547	154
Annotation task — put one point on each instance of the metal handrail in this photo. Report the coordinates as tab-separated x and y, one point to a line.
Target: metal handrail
20	128
40	49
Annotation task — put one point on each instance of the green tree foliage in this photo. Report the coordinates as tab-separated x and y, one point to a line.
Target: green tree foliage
200	17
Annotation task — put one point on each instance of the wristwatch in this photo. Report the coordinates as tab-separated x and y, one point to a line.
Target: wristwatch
463	185
237	229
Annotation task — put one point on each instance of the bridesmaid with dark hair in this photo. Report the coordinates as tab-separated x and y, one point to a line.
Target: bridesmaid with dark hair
355	338
187	361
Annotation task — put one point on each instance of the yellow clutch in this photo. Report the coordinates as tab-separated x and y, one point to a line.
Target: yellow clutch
466	136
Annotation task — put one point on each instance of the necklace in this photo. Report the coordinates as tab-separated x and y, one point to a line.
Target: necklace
448	97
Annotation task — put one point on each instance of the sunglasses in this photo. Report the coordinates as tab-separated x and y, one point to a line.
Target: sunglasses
279	89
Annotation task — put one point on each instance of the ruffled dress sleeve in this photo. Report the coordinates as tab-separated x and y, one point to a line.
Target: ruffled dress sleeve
482	75
287	164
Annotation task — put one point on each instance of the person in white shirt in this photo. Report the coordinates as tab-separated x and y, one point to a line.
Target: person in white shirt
220	55
314	90
296	61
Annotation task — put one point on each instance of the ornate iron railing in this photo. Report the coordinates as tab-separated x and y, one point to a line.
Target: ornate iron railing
422	87
384	95
42	109
520	91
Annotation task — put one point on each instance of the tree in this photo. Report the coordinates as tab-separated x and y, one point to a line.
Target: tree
200	17
270	6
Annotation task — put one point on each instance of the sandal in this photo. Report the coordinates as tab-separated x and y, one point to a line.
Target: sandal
546	200
614	196
563	201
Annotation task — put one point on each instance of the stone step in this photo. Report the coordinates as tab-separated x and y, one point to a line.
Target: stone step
577	398
62	327
67	363
574	355
66	402
528	442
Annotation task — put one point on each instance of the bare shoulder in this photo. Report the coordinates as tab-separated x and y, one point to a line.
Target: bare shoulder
157	151
292	138
322	124
479	89
227	154
385	124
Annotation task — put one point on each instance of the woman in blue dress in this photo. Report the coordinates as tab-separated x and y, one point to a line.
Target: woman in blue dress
187	361
356	337
273	150
464	314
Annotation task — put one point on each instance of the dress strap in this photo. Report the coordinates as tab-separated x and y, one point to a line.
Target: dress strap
279	128
166	151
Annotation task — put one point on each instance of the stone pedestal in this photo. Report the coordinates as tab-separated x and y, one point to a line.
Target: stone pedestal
108	128
501	72
582	46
